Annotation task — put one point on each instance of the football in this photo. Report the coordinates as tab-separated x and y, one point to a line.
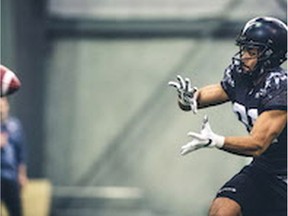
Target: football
10	83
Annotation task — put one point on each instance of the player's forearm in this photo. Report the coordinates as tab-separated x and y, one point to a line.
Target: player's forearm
266	129
245	146
22	170
22	177
211	95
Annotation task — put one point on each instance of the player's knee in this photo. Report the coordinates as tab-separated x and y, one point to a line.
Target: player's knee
224	207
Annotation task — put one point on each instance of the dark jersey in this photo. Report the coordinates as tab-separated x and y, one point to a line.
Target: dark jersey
250	99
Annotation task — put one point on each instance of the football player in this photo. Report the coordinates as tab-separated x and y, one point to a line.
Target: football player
256	85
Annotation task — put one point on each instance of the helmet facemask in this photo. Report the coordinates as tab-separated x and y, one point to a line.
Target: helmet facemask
241	61
264	57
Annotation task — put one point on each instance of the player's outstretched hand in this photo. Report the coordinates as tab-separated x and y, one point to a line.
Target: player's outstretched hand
206	138
186	93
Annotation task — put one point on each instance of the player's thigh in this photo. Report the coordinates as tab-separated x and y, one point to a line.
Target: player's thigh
223	206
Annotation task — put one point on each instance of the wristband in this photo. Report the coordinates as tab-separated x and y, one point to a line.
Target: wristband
219	141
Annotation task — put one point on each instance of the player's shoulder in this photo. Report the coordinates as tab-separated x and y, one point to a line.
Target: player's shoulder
275	83
276	78
233	71
277	72
231	74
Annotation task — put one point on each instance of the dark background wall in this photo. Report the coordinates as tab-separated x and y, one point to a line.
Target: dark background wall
23	49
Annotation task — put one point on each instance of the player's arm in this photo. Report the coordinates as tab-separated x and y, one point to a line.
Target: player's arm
267	127
22	175
211	95
190	98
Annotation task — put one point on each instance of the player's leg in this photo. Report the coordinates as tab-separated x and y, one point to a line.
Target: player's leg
223	206
11	197
251	192
277	192
237	196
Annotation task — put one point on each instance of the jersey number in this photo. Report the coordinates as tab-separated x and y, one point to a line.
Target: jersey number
247	117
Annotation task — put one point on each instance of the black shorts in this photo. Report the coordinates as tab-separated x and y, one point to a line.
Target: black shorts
257	192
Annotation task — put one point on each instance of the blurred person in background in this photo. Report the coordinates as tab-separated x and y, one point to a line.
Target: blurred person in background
256	85
13	156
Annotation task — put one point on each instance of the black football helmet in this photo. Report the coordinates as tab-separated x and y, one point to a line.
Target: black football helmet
269	36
